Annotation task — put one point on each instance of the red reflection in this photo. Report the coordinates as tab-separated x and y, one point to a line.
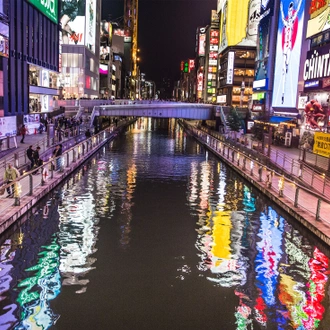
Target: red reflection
318	279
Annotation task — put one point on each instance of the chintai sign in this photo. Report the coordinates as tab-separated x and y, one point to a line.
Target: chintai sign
48	7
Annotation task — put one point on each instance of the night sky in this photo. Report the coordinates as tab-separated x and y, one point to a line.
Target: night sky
166	32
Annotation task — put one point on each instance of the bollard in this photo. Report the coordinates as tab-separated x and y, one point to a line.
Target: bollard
318	209
296	197
16	160
30	184
281	186
260	173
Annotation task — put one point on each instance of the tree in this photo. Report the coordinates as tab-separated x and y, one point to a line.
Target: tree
234	120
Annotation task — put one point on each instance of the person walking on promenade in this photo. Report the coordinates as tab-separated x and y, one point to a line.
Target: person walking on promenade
23	132
88	134
30	155
11	174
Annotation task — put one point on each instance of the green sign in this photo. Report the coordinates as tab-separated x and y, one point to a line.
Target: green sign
48	7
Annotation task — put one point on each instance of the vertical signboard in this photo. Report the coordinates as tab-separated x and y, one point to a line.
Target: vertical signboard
201	42
90	24
230	68
288	50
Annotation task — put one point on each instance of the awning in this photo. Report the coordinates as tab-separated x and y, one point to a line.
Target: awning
278	120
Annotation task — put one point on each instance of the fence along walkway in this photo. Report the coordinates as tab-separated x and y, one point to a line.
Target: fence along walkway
296	196
30	184
307	175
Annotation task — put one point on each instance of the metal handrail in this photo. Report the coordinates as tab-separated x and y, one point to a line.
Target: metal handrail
211	141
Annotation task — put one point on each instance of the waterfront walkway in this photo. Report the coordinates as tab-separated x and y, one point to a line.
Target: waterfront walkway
31	187
310	208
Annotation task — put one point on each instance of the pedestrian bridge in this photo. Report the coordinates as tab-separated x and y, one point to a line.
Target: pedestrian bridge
157	110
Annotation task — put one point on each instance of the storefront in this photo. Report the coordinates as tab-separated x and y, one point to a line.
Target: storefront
43	89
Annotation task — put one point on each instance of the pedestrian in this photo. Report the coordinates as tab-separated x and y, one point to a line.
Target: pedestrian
37	160
23	132
88	134
29	154
56	153
10	175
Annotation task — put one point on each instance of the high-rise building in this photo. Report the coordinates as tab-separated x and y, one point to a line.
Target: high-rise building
131	10
80	49
31	63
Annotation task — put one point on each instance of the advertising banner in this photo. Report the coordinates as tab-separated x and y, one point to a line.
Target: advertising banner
90	24
4	46
322	144
239	23
7	126
318	17
32	123
73	22
288	51
317	64
201	44
48	7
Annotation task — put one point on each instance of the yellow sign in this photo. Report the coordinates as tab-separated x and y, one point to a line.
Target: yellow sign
322	144
239	23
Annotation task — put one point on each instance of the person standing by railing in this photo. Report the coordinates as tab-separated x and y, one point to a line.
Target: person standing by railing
10	175
29	154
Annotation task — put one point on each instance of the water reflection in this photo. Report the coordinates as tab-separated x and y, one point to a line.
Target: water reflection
225	240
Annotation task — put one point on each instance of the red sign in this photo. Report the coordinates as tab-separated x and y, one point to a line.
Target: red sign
191	64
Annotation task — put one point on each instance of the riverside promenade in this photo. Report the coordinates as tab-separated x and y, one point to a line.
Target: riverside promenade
31	187
309	207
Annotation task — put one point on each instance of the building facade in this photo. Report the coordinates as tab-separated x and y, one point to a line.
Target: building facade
80	49
32	60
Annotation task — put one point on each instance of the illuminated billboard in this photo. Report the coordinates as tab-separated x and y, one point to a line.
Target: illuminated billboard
318	18
288	50
73	22
201	44
90	24
103	69
239	23
48	7
4	46
78	20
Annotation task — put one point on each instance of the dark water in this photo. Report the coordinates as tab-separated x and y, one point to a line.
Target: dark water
156	233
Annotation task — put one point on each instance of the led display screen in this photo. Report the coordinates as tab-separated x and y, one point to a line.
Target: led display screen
288	50
78	20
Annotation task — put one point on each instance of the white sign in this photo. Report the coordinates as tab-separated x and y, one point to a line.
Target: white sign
7	126
221	98
230	68
90	24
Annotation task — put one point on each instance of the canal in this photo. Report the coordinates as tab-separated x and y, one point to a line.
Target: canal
155	232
